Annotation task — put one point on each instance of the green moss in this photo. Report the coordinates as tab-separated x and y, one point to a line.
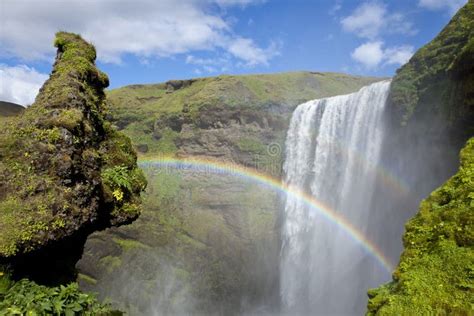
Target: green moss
436	271
86	278
129	244
54	153
252	145
166	144
111	263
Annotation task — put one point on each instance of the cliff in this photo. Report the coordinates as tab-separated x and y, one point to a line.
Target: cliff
64	172
432	115
438	81
207	241
232	118
435	273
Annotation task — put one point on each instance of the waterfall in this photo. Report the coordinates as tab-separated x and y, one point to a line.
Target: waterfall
333	148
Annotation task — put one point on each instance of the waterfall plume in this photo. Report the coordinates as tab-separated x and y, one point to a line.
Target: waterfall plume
333	149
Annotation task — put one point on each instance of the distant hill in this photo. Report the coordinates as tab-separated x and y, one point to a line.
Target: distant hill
10	109
152	115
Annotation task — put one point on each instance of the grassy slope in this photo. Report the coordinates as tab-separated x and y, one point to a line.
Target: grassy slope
137	107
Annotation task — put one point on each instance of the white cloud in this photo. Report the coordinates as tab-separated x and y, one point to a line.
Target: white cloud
451	5
20	84
398	55
146	28
371	19
372	54
369	54
252	55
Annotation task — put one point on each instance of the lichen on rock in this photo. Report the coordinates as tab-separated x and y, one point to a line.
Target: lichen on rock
64	170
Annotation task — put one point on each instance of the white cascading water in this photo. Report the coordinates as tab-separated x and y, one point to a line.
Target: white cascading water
333	149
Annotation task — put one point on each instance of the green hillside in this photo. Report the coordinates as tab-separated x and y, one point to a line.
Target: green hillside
136	108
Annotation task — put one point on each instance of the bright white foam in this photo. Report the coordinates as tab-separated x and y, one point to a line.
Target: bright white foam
333	149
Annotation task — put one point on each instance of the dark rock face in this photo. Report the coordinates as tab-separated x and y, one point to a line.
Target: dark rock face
64	170
172	85
240	135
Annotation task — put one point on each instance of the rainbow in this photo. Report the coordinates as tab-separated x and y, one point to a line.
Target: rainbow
229	168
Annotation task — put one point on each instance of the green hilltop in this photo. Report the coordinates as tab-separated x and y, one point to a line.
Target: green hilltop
136	108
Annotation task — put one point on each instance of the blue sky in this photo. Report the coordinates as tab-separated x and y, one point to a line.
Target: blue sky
149	41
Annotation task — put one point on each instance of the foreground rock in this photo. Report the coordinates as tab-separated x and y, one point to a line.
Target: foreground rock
64	171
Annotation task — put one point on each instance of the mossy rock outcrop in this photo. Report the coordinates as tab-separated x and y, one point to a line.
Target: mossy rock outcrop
64	171
435	275
438	81
432	109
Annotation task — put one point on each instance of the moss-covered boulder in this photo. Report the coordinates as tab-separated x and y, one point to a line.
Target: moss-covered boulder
64	171
435	275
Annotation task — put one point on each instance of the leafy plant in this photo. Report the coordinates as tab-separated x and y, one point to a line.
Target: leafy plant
28	298
117	177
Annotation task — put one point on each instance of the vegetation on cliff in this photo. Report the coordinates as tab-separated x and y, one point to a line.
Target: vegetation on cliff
433	96
64	173
28	298
439	78
436	271
62	164
153	115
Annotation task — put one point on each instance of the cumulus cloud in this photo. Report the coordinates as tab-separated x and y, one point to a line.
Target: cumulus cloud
451	5
20	84
372	54
371	19
252	55
146	28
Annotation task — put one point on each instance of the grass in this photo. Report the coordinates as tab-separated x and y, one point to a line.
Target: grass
136	108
